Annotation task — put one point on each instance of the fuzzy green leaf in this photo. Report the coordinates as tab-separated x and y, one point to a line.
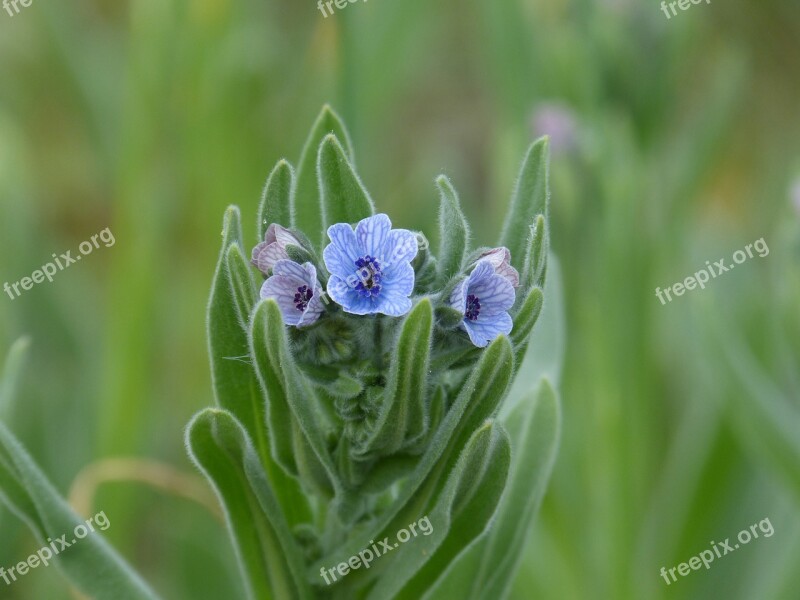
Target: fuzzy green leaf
477	401
526	318
269	557
448	317
243	287
306	203
535	268
344	197
91	564
236	387
275	206
403	417
298	441
485	569
460	514
531	198
453	232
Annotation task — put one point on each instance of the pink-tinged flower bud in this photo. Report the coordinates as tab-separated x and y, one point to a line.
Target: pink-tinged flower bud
500	259
273	248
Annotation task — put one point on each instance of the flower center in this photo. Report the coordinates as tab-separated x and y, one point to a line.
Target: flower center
369	277
302	297
473	308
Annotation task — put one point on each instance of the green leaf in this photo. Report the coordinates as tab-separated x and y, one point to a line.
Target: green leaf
526	318
453	232
236	388
531	198
485	569
11	374
243	288
298	441
543	354
536	256
460	514
448	317
270	560
477	401
276	201
306	207
344	197
403	417
764	417
91	564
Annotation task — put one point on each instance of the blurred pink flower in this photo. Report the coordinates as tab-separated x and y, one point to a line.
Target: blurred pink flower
559	122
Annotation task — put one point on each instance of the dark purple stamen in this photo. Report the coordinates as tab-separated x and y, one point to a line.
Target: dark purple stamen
302	297
473	308
369	275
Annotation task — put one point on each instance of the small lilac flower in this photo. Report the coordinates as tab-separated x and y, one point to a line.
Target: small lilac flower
371	267
559	122
484	299
273	248
500	259
795	194
297	292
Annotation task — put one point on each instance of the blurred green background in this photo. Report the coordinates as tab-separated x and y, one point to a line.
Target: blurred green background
675	142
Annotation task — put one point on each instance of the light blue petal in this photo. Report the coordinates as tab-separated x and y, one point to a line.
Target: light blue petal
399	279
482	270
341	254
371	233
283	289
343	237
293	271
458	298
313	311
494	292
339	291
481	332
401	246
393	304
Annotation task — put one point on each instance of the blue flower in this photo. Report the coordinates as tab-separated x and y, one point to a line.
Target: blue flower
371	267
296	290
484	299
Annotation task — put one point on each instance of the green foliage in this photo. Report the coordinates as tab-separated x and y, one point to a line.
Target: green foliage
327	437
399	426
91	564
306	204
453	232
276	201
343	198
269	556
531	198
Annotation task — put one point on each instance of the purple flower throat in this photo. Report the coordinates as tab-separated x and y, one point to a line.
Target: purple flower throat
473	307
302	297
369	275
